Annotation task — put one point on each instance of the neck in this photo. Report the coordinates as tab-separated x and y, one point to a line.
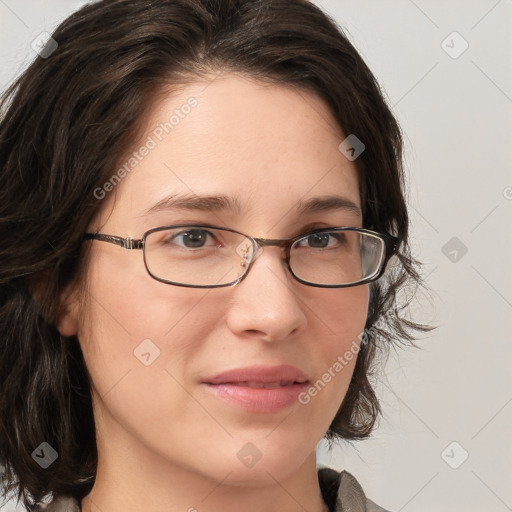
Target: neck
134	479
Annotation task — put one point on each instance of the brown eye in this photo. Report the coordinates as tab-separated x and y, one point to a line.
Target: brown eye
320	240
193	238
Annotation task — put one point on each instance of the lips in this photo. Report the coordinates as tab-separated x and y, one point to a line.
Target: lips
266	385
258	389
260	376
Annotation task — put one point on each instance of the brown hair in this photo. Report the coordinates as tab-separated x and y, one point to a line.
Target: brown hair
67	121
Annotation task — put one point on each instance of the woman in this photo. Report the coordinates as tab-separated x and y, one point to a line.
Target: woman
199	199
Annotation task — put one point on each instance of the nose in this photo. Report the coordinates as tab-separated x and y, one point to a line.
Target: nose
265	304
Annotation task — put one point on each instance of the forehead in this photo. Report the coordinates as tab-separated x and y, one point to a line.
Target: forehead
270	147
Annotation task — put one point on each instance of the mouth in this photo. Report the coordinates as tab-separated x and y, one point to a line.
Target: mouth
260	376
258	397
263	385
258	389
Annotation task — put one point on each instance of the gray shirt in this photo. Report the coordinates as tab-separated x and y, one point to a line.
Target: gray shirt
343	493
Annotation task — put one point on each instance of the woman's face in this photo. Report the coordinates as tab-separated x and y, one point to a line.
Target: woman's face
150	346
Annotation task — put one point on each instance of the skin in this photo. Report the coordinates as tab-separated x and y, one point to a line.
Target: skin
164	443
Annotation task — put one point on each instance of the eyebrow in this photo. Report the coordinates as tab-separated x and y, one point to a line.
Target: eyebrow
227	203
195	202
328	203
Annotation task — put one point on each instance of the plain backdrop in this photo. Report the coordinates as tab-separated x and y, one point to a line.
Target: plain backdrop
443	443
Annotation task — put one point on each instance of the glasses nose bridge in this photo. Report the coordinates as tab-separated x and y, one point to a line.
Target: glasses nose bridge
276	242
260	243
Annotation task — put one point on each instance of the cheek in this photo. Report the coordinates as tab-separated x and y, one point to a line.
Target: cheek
341	315
140	343
133	327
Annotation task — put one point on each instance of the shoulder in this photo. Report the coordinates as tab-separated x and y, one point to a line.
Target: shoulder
343	493
373	507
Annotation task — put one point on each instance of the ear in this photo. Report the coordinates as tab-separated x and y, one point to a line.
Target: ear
67	322
67	317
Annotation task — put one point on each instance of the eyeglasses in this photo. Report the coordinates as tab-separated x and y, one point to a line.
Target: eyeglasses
200	256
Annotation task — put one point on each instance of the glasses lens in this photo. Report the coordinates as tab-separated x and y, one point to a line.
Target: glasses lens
197	255
337	257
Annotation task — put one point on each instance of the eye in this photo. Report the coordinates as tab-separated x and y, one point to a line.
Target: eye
322	240
194	239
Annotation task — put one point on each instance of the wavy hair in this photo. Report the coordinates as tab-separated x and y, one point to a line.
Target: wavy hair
65	125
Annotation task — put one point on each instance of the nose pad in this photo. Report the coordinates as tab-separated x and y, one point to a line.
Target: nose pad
247	253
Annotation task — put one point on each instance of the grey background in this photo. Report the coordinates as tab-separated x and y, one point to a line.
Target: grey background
456	114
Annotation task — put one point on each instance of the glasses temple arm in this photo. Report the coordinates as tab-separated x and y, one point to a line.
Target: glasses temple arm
126	243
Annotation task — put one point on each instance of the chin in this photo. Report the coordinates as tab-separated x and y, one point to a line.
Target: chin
262	474
258	463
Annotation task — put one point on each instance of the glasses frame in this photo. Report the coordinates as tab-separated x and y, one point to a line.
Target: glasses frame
390	244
